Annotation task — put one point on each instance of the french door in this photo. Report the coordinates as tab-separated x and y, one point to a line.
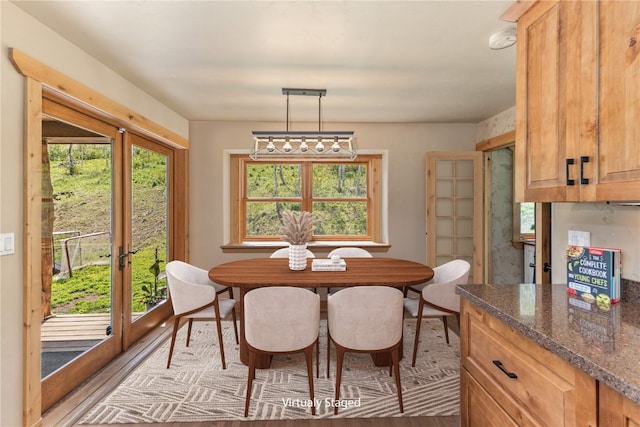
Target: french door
106	233
454	197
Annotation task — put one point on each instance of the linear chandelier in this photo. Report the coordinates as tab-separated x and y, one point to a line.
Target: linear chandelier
293	145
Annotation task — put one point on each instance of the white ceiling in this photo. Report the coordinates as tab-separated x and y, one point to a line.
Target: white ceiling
380	61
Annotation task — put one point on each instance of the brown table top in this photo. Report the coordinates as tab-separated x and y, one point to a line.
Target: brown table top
256	272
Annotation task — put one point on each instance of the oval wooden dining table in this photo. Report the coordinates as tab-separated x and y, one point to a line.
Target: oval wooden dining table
253	273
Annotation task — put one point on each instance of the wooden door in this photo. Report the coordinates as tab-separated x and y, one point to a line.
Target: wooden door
617	176
455	209
555	99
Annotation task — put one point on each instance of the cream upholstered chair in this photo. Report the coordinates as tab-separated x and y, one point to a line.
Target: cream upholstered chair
194	296
348	252
438	298
281	320
365	319
284	253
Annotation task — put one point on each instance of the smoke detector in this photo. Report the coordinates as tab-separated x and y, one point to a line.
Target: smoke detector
503	39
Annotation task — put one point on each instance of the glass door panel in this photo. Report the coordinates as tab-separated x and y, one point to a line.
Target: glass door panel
149	225
78	280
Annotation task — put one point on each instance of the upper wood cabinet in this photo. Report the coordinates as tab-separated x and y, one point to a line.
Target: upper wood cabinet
578	102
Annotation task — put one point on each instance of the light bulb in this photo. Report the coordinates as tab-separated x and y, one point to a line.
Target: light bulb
319	147
335	146
270	146
286	147
303	146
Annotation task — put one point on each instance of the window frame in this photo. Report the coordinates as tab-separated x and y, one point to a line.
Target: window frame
237	199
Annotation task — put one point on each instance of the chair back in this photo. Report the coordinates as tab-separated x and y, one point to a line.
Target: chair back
281	318
350	253
366	317
284	253
441	290
189	287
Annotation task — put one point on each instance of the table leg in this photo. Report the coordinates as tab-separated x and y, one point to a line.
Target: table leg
262	361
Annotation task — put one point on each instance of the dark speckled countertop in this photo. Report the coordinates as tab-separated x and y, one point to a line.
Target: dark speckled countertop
606	345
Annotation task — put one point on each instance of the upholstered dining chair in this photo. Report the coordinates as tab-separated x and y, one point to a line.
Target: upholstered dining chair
195	297
281	320
438	298
348	252
284	253
365	319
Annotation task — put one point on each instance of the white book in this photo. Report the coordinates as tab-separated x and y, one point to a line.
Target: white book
328	265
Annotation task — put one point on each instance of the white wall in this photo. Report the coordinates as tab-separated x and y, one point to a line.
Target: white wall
20	31
610	225
407	145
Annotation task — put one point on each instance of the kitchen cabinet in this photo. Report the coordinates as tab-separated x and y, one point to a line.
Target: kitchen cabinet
578	102
616	410
507	379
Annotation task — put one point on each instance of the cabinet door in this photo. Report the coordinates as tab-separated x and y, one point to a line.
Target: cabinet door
616	410
555	99
618	156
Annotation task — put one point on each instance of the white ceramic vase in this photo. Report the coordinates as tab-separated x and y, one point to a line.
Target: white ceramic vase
298	257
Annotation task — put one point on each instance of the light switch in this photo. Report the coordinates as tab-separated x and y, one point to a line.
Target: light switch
7	244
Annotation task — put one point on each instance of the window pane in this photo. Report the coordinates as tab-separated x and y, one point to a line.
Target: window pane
263	218
527	218
273	180
340	180
340	218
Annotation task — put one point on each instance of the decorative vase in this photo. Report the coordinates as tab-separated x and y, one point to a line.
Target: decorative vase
298	257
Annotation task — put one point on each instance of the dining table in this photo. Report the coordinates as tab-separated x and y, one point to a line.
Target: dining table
247	274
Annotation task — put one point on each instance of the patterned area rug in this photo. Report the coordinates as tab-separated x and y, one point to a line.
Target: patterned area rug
197	389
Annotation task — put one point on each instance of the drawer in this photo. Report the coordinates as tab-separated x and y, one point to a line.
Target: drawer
482	410
532	385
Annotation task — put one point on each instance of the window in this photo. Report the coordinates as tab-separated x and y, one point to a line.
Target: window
342	195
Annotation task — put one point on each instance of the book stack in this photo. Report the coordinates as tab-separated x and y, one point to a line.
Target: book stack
593	274
328	265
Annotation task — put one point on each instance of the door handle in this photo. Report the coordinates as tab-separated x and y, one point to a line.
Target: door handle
568	163
583	160
122	255
546	267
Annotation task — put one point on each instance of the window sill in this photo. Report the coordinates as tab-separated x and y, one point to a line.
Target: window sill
320	246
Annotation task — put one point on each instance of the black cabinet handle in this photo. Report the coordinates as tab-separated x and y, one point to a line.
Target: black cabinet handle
507	373
583	160
569	181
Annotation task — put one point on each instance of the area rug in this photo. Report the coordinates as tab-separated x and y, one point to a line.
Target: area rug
197	389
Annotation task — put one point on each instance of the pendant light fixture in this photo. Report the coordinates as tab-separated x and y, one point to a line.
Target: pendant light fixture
295	145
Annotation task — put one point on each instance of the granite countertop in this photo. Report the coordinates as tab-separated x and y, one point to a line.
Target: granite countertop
604	344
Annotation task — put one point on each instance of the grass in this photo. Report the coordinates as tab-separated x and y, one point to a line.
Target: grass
81	181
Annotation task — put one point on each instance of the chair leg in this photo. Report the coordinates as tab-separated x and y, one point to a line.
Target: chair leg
446	328
395	357
418	323
328	352
339	359
219	325
233	316
308	355
317	344
189	332
176	325
250	376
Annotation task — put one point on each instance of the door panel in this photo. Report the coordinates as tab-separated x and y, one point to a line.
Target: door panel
148	167
454	209
79	332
